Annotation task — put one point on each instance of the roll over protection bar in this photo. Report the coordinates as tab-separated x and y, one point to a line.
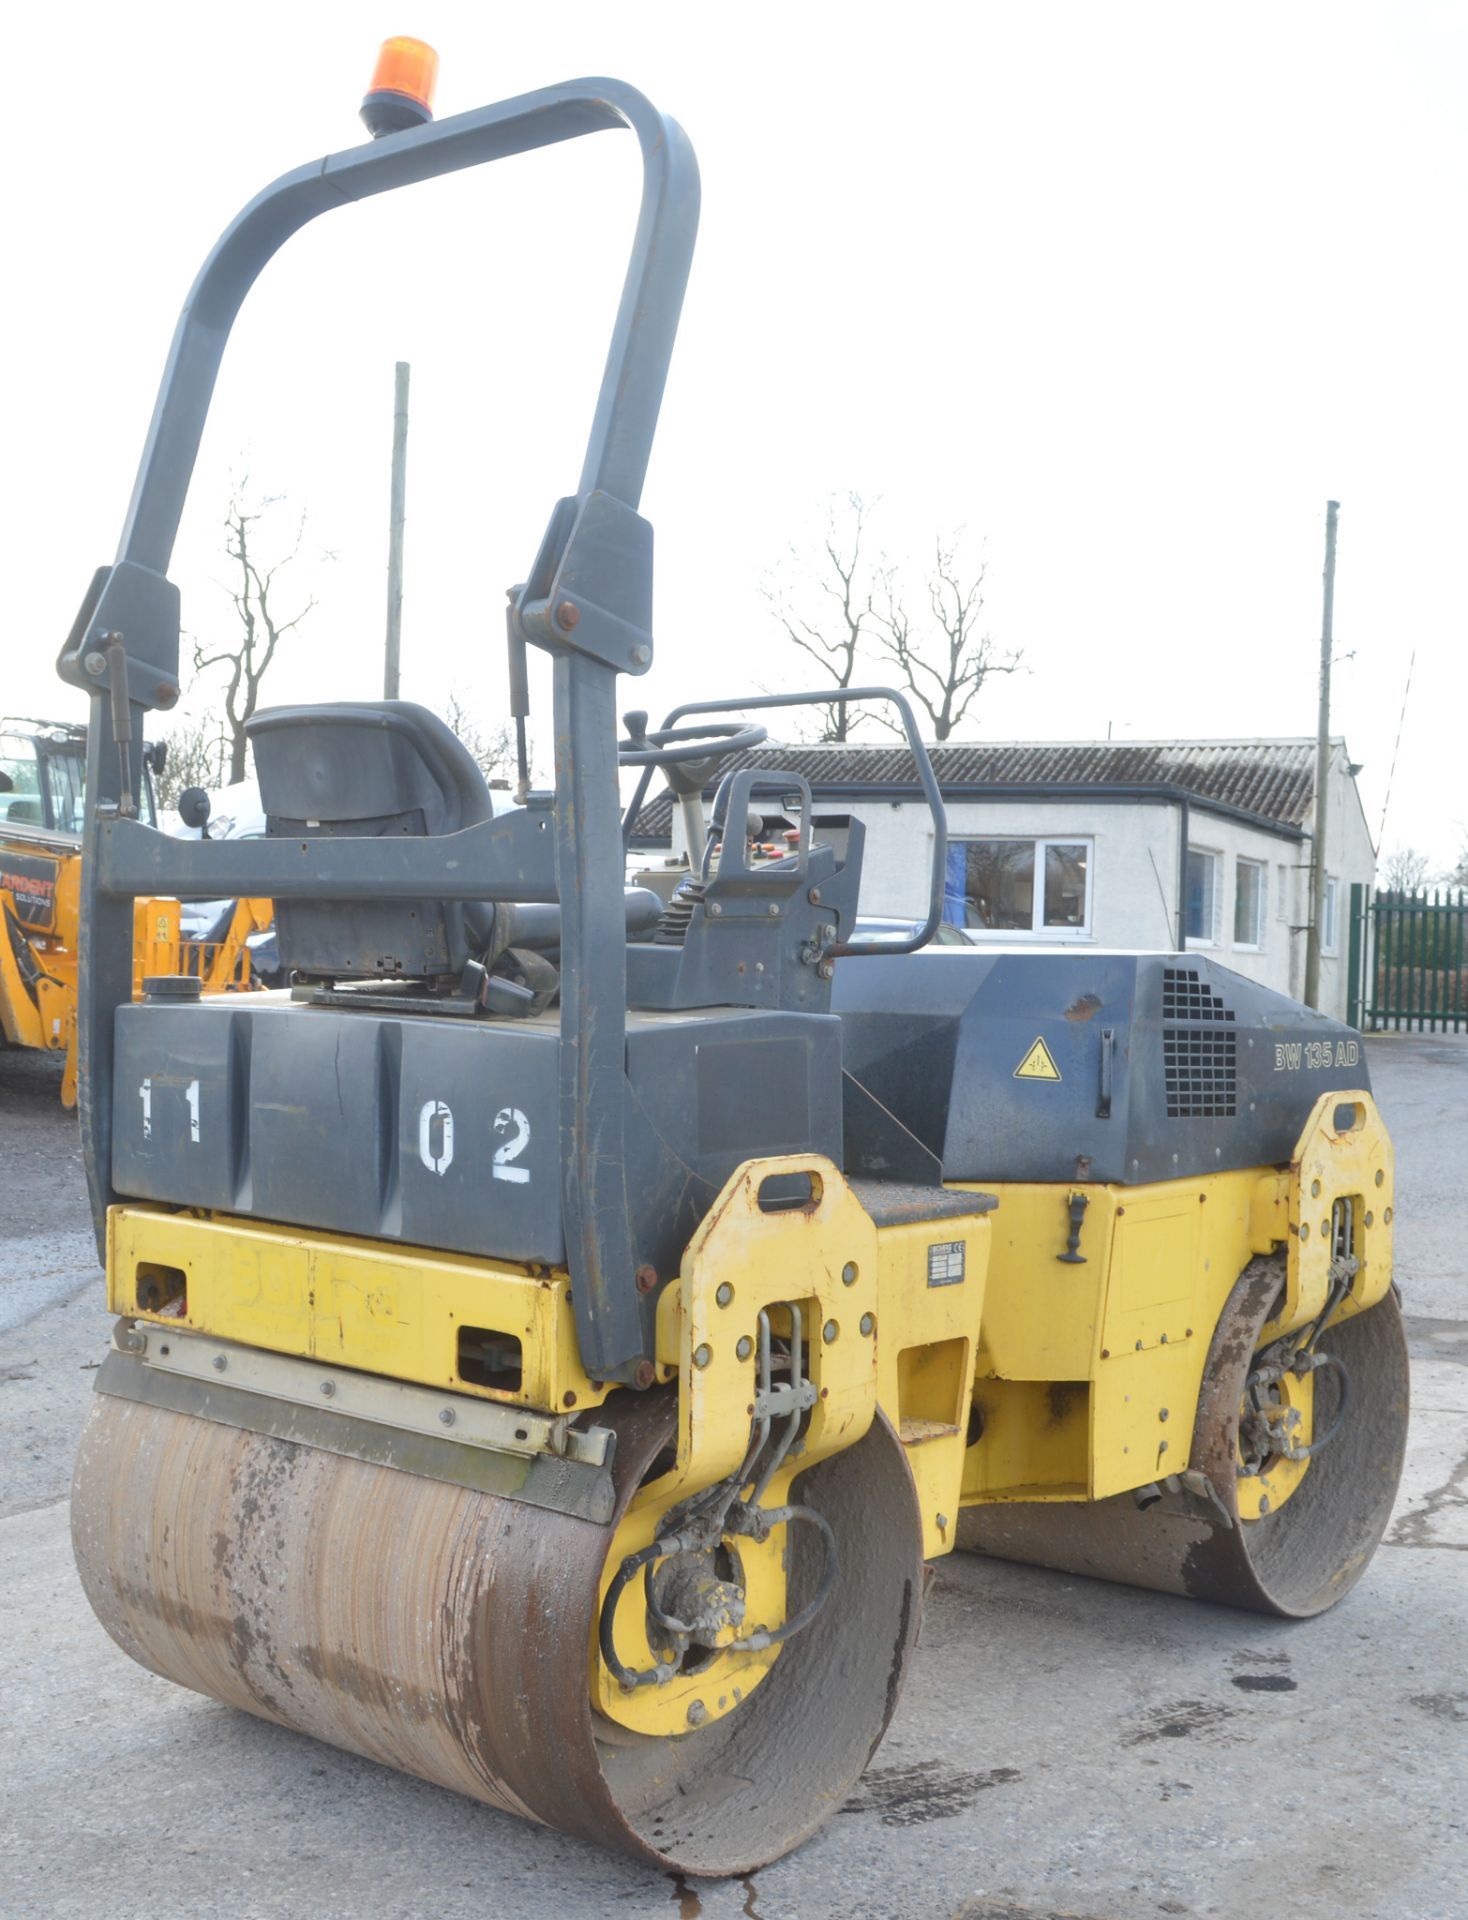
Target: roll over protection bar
587	600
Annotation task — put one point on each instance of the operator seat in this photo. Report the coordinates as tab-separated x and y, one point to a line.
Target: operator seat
367	770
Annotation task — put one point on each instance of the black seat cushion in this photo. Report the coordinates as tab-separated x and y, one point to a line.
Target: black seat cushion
367	769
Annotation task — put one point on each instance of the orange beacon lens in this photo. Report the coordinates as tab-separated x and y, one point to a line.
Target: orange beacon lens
401	94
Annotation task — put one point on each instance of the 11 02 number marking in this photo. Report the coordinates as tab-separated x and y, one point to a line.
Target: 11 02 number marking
436	1141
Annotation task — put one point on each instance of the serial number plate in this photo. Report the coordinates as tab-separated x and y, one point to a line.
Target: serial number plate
945	1263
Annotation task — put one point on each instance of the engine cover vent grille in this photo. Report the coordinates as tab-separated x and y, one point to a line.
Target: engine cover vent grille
1186	997
1199	1063
1200	1066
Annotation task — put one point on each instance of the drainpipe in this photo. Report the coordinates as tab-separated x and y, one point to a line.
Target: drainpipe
1182	873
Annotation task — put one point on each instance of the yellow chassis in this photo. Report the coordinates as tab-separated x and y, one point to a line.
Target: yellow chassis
1088	1376
1026	1379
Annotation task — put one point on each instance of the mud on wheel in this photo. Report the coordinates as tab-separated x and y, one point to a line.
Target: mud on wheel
175	1525
1278	1514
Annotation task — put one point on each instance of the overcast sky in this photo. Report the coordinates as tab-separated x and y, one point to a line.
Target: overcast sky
1128	291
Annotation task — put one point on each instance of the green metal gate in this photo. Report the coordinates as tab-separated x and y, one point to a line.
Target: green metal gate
1408	961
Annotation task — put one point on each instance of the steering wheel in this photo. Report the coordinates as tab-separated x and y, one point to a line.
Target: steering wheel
679	746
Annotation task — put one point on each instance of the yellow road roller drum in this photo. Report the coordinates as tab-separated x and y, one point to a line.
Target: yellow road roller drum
554	1334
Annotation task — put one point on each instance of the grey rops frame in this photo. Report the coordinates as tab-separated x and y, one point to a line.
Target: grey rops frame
587	601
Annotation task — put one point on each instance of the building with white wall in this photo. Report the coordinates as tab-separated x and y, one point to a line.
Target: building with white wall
1142	845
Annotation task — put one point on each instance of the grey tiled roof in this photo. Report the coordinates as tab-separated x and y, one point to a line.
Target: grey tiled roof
1274	779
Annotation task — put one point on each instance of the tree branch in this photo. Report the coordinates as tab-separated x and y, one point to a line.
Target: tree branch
260	632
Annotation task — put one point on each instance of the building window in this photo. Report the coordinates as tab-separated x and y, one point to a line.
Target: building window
1020	886
1202	900
1329	922
1249	888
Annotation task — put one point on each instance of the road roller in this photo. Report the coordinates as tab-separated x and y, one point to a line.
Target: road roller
555	1334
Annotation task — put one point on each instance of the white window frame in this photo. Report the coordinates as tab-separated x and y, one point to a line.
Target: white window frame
1261	918
1213	855
1039	841
1330	926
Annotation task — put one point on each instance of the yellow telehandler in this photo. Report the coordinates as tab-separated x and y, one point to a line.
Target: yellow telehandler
42	802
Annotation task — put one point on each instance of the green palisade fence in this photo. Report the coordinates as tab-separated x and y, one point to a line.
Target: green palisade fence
1408	960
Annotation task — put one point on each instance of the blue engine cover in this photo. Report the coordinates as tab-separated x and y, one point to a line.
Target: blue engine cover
1112	1067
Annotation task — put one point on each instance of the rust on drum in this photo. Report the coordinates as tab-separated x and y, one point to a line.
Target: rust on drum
447	1632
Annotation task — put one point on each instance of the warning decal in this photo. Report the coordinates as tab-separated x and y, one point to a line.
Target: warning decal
1037	1064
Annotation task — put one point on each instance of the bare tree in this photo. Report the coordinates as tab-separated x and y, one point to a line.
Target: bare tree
493	748
945	660
195	758
864	608
1404	870
261	625
829	611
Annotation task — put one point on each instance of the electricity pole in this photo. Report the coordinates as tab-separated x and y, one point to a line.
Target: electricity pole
1322	772
398	512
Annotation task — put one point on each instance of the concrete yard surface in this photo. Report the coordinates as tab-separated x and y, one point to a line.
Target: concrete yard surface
1063	1747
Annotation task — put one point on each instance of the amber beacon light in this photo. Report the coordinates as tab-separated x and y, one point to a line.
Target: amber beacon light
401	94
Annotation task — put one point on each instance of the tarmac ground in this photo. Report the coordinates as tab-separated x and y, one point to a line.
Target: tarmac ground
1063	1747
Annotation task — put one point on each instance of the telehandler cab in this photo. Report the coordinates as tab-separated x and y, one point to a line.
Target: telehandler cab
42	785
553	1335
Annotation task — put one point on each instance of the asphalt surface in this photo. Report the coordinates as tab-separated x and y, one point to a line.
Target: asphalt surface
1063	1747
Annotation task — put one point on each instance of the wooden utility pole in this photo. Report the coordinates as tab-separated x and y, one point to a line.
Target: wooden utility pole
1316	924
398	513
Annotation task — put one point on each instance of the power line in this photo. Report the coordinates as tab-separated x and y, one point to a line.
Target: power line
1391	772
